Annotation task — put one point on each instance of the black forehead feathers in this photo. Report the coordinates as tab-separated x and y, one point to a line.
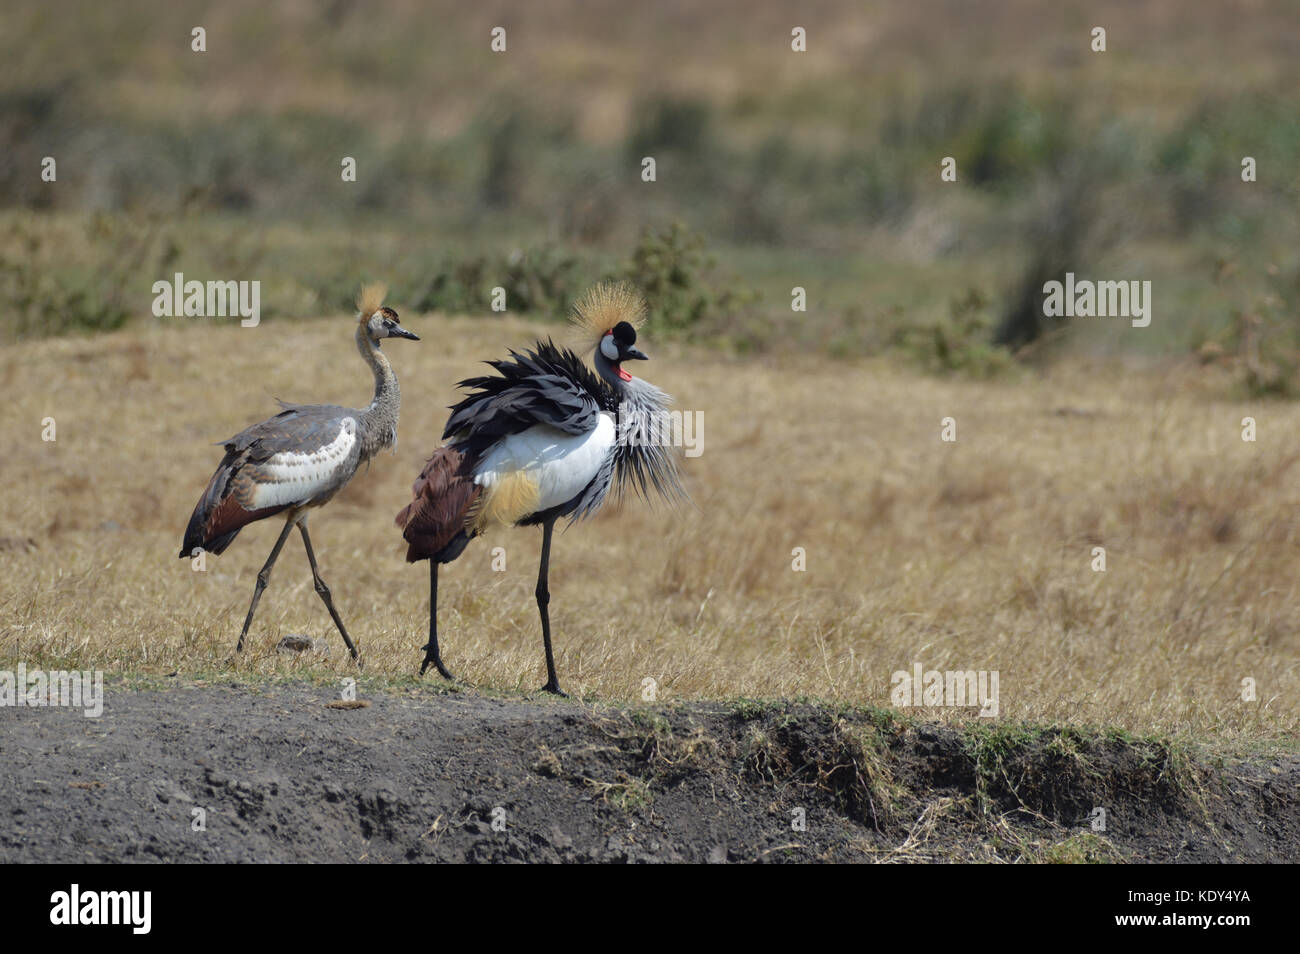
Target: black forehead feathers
388	313
624	333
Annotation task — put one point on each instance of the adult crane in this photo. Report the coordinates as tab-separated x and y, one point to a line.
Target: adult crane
544	438
299	459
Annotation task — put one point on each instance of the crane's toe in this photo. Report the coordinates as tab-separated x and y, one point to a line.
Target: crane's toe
433	659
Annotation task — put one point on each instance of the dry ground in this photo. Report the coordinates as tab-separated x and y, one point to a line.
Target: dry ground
427	775
967	555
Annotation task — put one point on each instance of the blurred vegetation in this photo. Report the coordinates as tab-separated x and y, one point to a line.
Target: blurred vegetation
1260	340
961	342
774	169
42	296
680	281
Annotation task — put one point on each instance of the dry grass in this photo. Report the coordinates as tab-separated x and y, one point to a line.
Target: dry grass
972	555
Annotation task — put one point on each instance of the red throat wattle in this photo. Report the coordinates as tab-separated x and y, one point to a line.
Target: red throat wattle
623	374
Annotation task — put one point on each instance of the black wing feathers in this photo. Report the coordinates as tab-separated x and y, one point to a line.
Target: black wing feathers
548	385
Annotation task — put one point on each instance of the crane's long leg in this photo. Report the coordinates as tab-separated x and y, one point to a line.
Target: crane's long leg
543	600
263	577
431	647
324	592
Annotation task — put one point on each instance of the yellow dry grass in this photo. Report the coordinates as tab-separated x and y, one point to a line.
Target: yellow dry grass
969	555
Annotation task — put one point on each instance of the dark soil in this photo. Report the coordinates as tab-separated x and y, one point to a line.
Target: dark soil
424	776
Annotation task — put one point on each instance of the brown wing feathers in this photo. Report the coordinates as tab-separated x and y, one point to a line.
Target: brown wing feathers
219	515
433	523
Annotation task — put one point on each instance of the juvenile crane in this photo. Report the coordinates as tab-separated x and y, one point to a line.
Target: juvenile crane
299	459
543	439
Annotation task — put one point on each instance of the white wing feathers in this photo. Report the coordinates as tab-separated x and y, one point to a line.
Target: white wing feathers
290	477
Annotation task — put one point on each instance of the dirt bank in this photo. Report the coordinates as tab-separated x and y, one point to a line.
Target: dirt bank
424	776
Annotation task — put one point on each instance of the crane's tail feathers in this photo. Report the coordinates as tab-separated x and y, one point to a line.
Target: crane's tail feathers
434	522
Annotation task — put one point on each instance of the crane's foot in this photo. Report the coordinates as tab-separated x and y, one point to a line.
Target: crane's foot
435	660
553	687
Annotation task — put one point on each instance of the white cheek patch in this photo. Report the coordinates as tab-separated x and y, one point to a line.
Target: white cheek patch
291	477
609	347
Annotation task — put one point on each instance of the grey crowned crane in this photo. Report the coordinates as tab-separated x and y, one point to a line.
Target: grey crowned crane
544	438
299	459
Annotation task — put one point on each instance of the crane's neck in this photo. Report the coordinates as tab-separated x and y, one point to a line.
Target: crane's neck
612	374
632	395
379	421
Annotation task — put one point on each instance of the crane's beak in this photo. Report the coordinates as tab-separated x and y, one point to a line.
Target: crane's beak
634	354
400	332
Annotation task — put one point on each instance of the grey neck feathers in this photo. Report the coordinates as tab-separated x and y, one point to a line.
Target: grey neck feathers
643	397
642	461
378	424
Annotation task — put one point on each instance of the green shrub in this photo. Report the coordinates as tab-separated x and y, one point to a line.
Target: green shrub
453	286
536	282
959	343
41	295
540	281
680	279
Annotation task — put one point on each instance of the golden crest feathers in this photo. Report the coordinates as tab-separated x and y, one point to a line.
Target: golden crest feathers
370	300
604	306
